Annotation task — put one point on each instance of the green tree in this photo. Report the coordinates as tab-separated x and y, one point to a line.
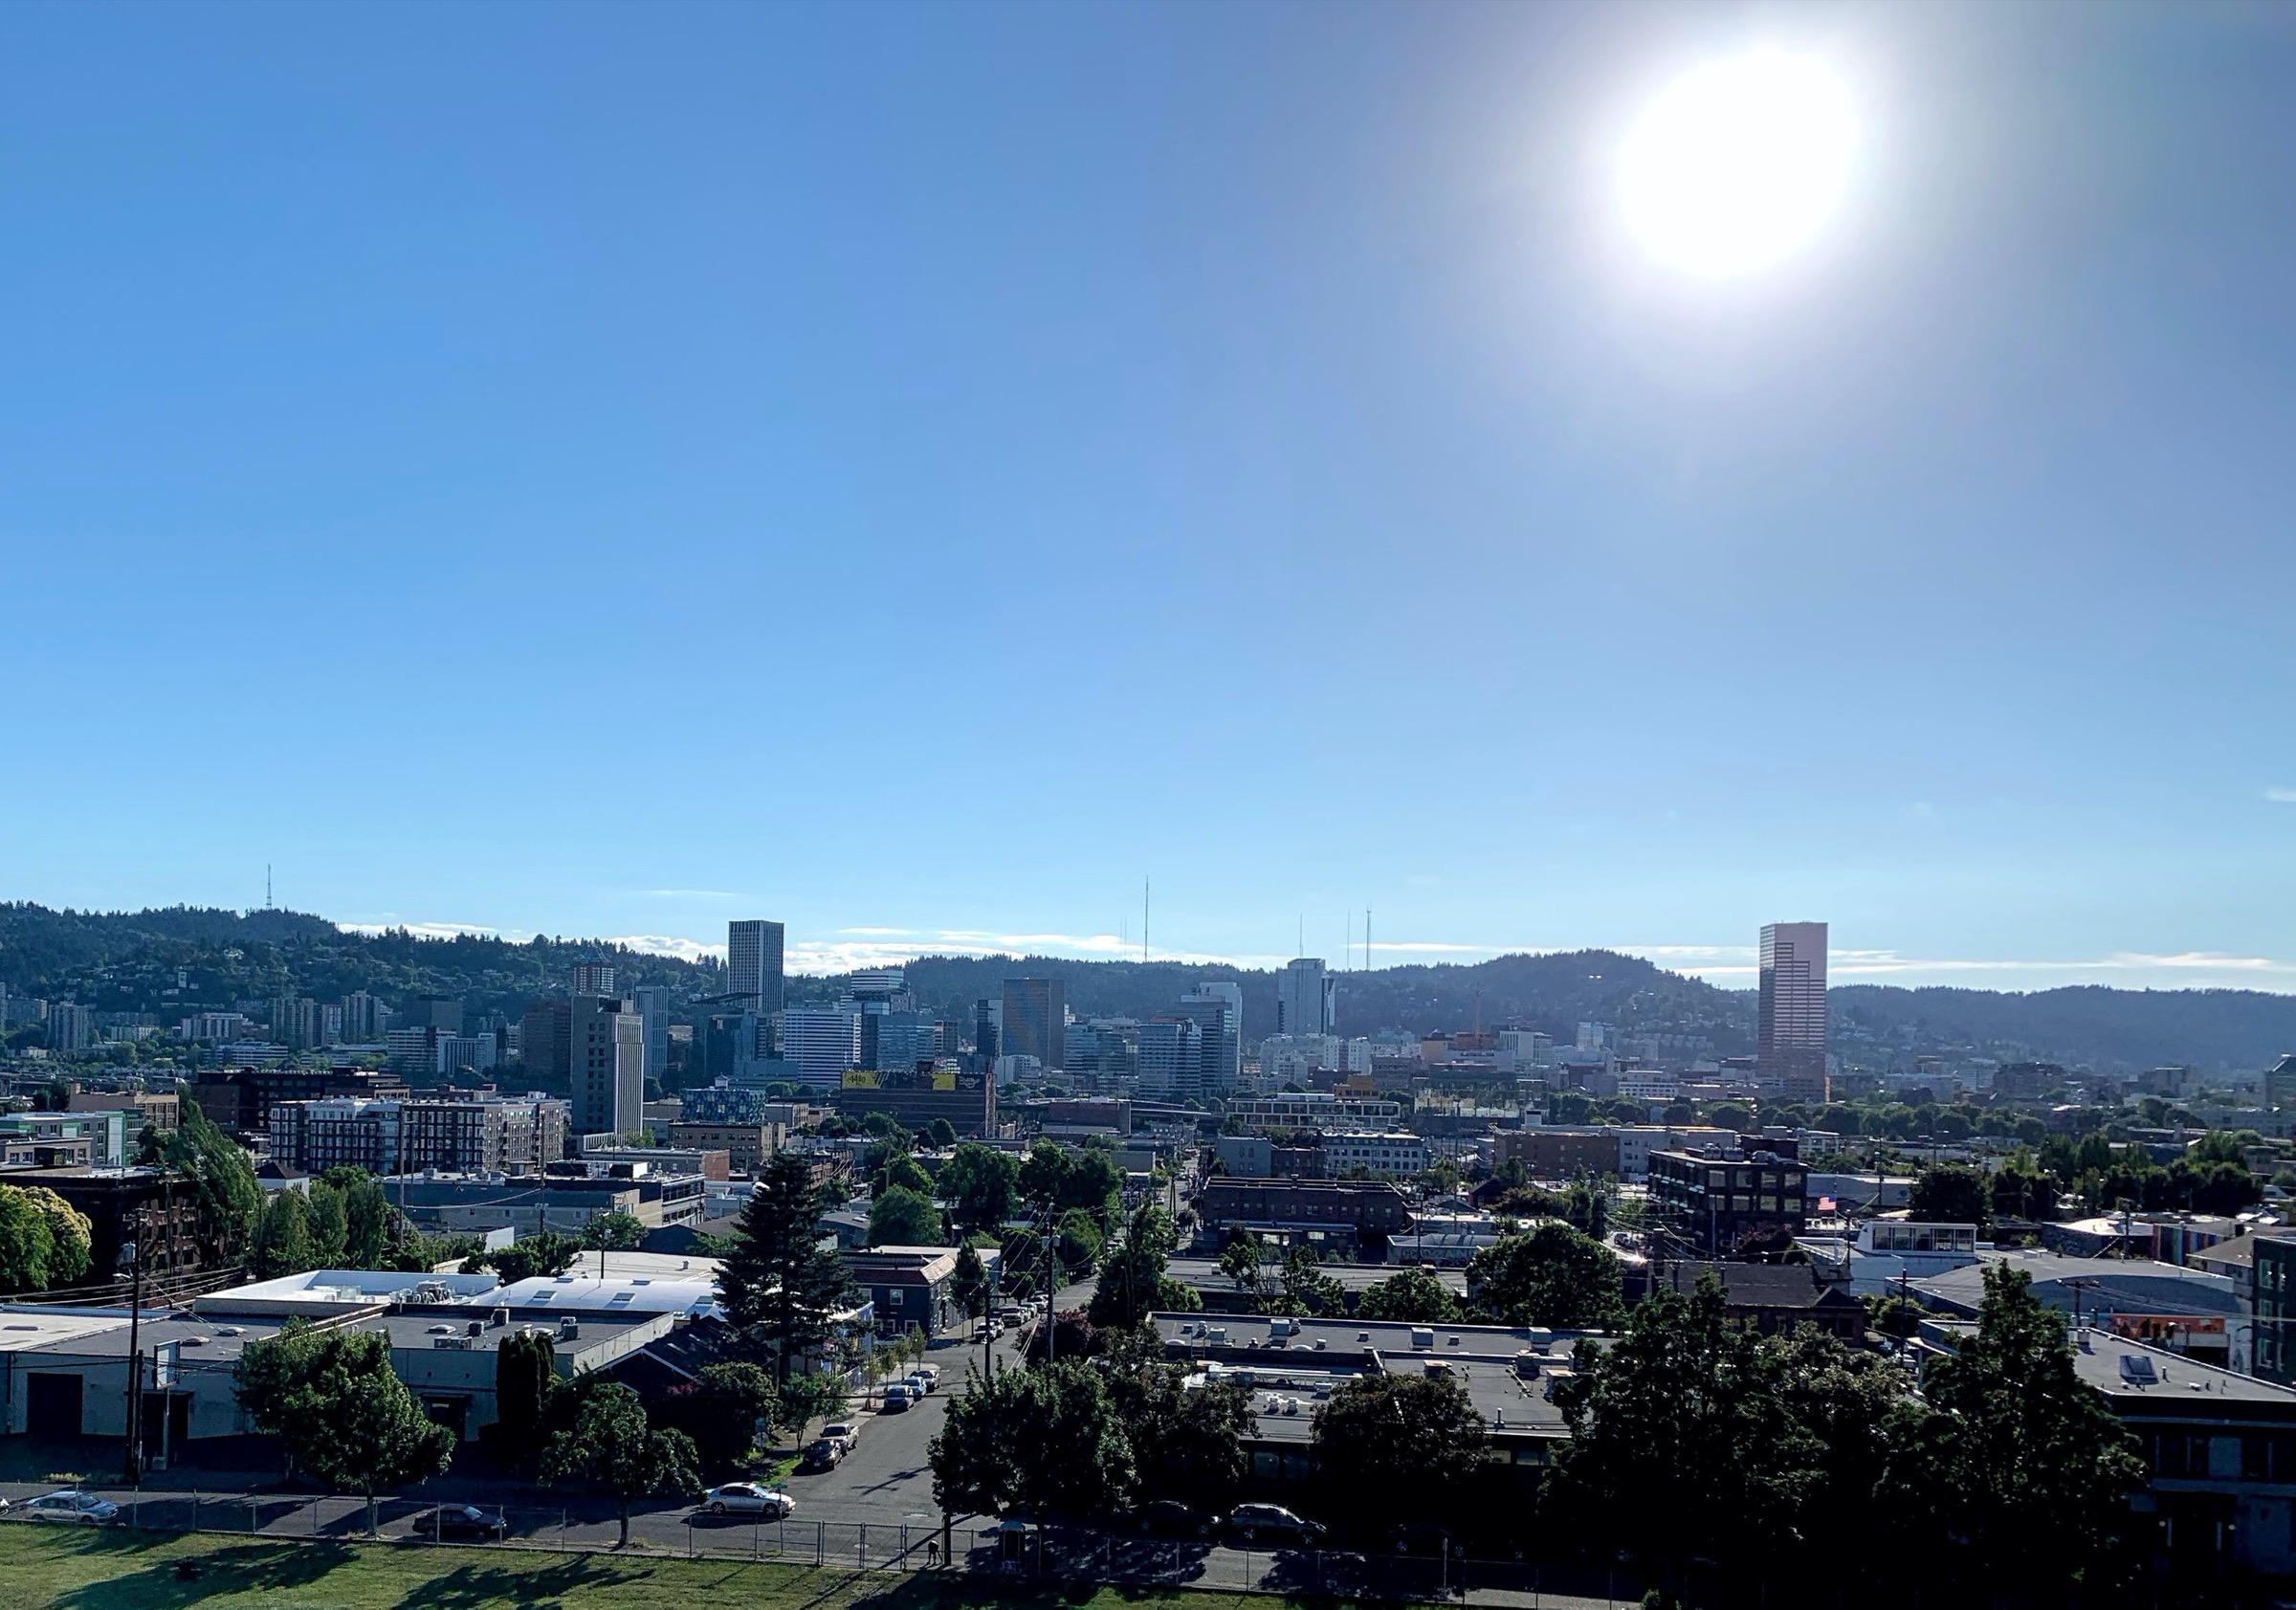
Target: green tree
1187	1445
371	1224
1133	1283
1039	1442
1386	1445
525	1380
1412	1294
1244	1260
905	1171
1684	1416
1044	1178
327	1225
2023	1470
968	1284
1303	1289
221	1179
982	1186
1549	1275
616	1231
542	1255
730	1407
613	1445
281	1244
940	1133
1950	1195
900	1217
346	1418
778	1284
43	1240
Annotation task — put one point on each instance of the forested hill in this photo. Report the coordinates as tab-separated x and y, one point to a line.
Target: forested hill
131	961
1553	992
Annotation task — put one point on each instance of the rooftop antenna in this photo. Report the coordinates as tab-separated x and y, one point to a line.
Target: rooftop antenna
1303	934
267	886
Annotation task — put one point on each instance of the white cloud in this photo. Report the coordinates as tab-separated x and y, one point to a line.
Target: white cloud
2280	796
668	944
426	930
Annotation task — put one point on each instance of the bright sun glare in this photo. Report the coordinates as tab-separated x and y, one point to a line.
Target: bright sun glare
1738	164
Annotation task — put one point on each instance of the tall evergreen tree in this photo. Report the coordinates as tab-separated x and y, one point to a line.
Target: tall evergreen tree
525	1380
778	1284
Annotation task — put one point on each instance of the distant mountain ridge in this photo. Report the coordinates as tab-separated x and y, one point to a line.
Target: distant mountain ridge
131	961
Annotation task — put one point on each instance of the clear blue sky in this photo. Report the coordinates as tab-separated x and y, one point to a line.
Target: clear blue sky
916	471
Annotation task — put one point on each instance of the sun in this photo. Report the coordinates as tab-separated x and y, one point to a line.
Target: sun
1739	164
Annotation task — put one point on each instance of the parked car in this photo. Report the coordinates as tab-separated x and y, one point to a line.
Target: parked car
1169	1517
747	1498
1270	1523
919	1382
896	1399
460	1520
73	1507
930	1374
845	1433
823	1454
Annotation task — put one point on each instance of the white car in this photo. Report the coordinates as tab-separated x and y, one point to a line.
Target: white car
747	1498
843	1433
80	1508
918	1381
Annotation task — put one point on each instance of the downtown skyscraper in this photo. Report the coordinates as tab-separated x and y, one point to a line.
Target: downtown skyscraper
753	965
1789	1031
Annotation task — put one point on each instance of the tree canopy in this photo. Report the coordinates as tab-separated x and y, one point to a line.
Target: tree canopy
43	1240
1550	1276
1133	1283
614	1447
982	1186
900	1217
345	1417
1397	1445
1413	1294
1035	1442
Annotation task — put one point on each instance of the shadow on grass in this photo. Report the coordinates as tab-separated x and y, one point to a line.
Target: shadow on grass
530	1587
242	1568
958	1590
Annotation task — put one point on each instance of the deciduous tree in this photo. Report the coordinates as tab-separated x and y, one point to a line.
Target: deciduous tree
1397	1444
1550	1276
612	1445
1036	1442
1412	1294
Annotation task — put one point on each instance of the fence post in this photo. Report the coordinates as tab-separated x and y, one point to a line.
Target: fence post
562	1540
861	1549
820	1539
251	1517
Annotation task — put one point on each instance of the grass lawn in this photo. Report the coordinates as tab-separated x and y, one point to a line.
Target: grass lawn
44	1568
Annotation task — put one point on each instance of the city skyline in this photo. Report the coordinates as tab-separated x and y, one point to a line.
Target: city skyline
1286	390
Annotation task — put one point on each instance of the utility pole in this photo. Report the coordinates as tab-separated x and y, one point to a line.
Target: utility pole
135	1347
1051	1285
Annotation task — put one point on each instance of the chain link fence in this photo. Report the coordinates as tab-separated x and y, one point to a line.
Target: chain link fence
1004	1550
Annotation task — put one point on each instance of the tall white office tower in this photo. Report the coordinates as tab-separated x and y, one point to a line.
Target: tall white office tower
1304	999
